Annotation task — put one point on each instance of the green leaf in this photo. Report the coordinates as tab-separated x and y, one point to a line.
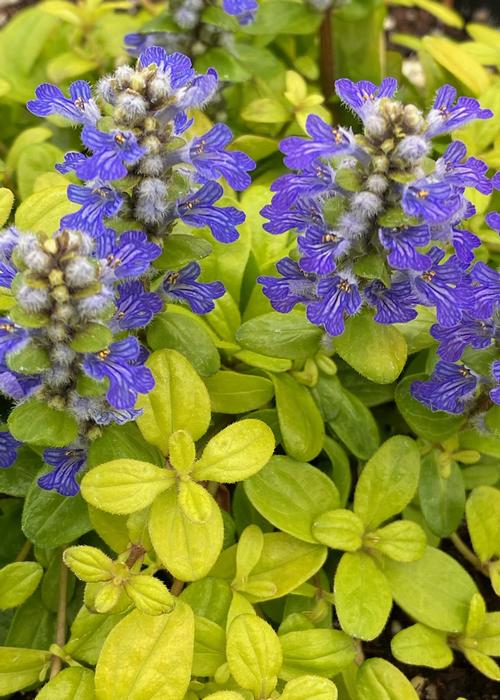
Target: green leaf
159	653
17	582
33	162
69	65
441	12
233	392
339	529
422	646
363	598
388	481
20	668
182	249
441	493
322	652
209	598
209	647
483	520
434	426
285	486
125	485
36	423
485	664
422	588
187	549
27	138
347	415
23	632
300	421
341	468
88	563
31	359
42	211
51	520
285	561
186	335
17	480
254	654
307	687
402	540
149	595
265	110
88	633
179	400
75	683
6	203
377	352
92	338
120	442
280	335
194	501
377	679
459	63
236	453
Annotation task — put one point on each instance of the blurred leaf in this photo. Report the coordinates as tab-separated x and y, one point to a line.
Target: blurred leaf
459	63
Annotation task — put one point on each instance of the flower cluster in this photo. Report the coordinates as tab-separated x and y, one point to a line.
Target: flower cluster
377	217
139	166
63	342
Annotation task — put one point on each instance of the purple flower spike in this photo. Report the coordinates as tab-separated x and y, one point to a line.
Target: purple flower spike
442	286
134	306
66	463
471	173
495	373
197	210
325	142
183	286
469	332
395	304
243	10
339	297
446	116
448	389
110	153
118	364
402	244
294	287
79	108
176	66
493	220
8	449
486	290
435	202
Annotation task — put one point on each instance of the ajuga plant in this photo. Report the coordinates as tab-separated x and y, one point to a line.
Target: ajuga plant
67	344
380	226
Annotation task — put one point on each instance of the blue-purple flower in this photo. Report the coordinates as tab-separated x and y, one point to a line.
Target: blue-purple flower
339	298
394	304
363	95
8	449
112	152
66	463
79	107
135	307
131	254
198	210
118	365
325	141
495	373
442	285
243	10
470	332
449	388
98	202
446	115
294	286
183	286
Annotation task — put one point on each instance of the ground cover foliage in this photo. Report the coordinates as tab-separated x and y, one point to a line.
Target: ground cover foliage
249	365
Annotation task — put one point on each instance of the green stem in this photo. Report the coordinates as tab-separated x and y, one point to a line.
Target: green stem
467	553
326	58
56	663
24	551
176	587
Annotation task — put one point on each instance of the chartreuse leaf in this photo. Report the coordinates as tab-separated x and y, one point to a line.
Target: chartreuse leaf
307	687
39	424
461	65
485	664
285	562
235	453
422	646
88	563
402	540
225	695
88	633
76	683
179	400
17	582
422	588
323	652
20	668
301	425
149	595
254	654
363	598
125	485
289	336
377	679
339	529
158	650
234	392
194	501
188	549
441	493
285	486
42	211
377	352
483	520
388	481
209	647
6	202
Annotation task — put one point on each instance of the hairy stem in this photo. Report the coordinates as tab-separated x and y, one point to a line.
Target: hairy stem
176	587
56	663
